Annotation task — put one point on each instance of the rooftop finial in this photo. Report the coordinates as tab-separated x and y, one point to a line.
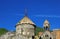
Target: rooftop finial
25	12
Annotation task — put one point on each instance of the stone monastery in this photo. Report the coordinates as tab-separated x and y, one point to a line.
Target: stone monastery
25	29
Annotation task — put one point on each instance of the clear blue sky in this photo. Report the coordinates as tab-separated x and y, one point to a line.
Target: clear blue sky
12	11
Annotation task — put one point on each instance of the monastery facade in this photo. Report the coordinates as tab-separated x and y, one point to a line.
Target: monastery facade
25	29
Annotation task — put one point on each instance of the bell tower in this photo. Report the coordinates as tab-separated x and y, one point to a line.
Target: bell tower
46	25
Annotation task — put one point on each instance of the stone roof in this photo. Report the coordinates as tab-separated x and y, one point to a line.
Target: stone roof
25	20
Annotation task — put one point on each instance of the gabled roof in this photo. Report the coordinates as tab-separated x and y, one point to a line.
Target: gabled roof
25	20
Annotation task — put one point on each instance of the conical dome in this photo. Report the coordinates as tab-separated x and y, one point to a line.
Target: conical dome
46	25
46	21
25	20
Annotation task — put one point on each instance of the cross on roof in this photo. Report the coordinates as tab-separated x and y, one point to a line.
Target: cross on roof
25	12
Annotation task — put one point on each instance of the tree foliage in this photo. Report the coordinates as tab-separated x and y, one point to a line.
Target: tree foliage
3	31
38	29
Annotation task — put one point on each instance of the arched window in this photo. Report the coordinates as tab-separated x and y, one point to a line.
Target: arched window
32	37
40	38
46	28
21	30
50	38
46	36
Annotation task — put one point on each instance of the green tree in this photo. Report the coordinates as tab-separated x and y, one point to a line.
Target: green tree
3	31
